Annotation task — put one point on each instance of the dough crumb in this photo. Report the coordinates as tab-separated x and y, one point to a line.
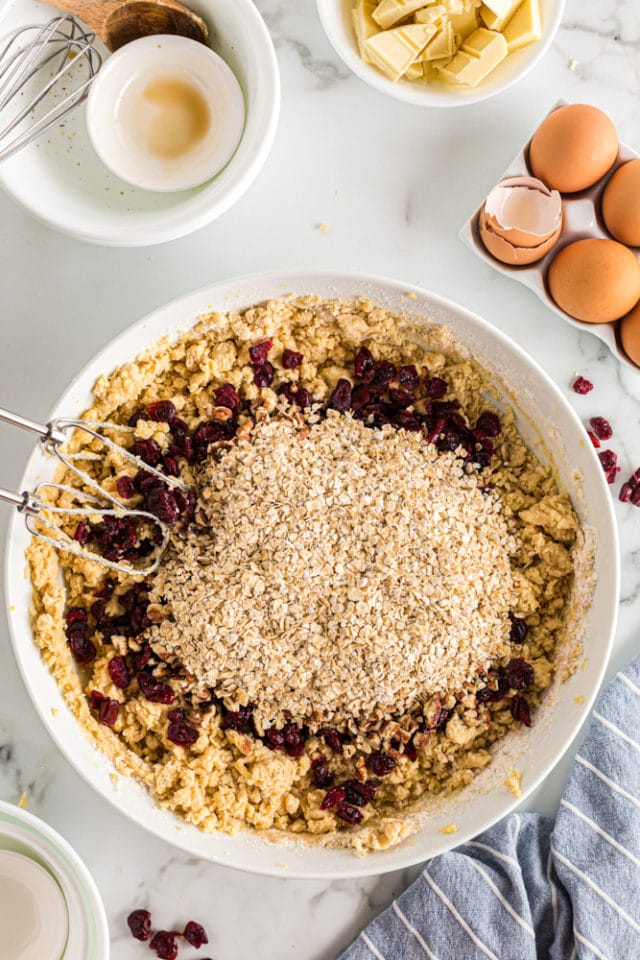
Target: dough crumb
448	829
24	800
513	783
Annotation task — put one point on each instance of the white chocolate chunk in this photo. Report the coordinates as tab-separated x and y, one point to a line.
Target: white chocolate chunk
479	55
434	14
364	25
392	51
524	27
464	24
389	12
414	72
499	7
495	22
442	45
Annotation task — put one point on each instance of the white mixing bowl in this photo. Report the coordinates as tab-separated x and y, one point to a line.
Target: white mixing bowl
542	412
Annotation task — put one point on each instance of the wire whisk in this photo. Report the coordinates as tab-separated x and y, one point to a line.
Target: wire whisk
45	73
96	507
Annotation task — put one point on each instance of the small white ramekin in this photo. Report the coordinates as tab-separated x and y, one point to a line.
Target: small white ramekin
161	57
88	929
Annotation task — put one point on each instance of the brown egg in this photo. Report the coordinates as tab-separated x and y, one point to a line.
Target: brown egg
596	281
630	334
621	204
573	148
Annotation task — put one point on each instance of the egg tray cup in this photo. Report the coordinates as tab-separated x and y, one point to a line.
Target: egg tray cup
581	220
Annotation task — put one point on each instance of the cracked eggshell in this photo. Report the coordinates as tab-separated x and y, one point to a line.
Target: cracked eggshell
521	221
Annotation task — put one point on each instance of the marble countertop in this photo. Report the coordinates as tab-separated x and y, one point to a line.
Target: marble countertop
393	183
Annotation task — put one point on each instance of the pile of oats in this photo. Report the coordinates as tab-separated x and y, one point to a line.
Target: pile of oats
340	574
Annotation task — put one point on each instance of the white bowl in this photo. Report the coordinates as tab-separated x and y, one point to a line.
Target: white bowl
120	84
542	409
336	20
61	181
88	928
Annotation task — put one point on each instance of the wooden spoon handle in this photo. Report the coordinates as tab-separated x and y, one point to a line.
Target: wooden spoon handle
92	12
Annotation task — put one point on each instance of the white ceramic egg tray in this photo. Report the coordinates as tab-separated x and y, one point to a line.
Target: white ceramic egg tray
582	218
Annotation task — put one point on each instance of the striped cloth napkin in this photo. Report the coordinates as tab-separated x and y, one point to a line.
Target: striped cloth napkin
532	888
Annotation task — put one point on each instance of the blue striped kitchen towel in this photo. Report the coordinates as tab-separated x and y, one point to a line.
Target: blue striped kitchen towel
532	888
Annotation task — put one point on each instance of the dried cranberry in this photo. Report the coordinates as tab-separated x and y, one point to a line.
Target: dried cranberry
360	794
520	710
321	773
125	487
75	615
106	590
302	398
348	813
119	673
149	451
441	719
195	934
181	733
489	424
363	363
626	493
601	428
380	763
227	396
82	533
264	374
340	399
408	377
401	399
382	376
520	674
258	352
177	715
83	651
332	739
165	945
593	438
140	924
108	712
293	740
494	695
162	411
435	388
407	421
410	751
291	359
170	466
518	629
96	699
609	461
274	739
162	504
141	659
239	720
154	690
582	386
360	396
98	607
332	797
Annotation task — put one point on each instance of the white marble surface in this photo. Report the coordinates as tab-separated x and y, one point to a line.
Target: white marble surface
393	183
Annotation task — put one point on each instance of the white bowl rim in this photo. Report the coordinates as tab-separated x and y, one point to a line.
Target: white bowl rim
371	865
152	235
427	96
57	841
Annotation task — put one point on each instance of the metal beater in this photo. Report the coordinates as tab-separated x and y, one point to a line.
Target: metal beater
54	435
45	72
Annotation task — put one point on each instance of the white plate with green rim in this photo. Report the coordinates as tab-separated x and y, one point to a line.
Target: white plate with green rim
23	833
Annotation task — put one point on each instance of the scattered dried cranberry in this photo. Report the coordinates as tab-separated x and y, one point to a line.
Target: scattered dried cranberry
333	796
239	720
165	945
125	487
75	615
293	740
582	386
435	388
98	607
518	630
408	377
360	794
258	352
154	690
82	649
149	451
291	359
348	813
82	533
520	710
264	374
321	773
227	396
161	502
626	493
141	659
380	763
340	399
363	363
489	424
630	491
332	739
119	673
520	674
302	398
410	752
609	461
383	374
96	699
140	924
593	438
601	428
181	733
163	411
401	399
108	712
274	739
195	934
170	466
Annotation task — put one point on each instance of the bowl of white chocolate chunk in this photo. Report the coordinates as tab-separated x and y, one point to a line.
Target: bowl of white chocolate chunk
441	53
